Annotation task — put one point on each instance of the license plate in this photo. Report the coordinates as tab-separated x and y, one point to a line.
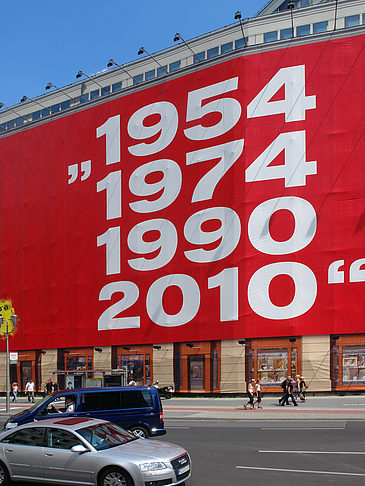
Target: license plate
183	470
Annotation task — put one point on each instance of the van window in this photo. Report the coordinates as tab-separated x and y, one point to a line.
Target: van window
136	399
101	401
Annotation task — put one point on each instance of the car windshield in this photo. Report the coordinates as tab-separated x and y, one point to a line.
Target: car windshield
105	436
39	404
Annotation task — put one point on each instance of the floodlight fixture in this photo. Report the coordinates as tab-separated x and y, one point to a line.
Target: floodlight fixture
179	37
142	50
112	62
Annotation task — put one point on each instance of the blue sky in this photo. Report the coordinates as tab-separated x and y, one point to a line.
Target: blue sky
50	41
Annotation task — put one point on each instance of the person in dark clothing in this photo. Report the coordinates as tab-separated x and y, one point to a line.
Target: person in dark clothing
302	386
55	386
284	400
49	387
290	392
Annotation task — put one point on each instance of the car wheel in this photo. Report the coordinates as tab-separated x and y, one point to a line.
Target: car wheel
4	475
139	431
115	477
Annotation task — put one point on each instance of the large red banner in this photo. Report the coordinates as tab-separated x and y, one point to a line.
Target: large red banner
225	203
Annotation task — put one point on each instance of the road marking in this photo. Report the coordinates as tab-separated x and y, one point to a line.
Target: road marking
313	452
300	471
305	428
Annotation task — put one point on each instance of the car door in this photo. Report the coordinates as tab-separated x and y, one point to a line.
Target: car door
60	463
24	451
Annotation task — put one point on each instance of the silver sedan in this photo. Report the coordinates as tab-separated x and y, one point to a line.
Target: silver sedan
86	451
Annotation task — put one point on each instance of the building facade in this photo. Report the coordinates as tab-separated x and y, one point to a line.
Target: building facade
194	216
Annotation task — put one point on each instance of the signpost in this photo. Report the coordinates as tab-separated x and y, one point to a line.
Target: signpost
7	329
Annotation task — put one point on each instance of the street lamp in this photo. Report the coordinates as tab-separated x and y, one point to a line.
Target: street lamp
14	320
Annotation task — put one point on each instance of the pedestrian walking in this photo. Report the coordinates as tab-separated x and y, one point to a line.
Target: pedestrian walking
302	387
15	389
284	400
49	386
297	387
251	393
29	390
55	387
290	392
258	393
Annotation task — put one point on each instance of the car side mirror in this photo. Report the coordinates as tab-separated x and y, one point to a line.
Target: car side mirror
79	448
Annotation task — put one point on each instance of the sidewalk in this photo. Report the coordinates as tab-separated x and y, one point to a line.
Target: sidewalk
332	407
341	408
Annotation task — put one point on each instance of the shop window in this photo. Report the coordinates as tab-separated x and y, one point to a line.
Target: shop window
353	364
286	33
352	21
272	366
319	27
335	365
271	36
134	365
303	30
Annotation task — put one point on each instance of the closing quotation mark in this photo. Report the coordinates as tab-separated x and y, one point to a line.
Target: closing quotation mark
73	171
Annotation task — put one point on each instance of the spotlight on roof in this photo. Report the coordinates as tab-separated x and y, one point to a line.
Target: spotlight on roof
238	15
1	105
177	37
25	98
141	50
79	74
111	63
49	86
290	5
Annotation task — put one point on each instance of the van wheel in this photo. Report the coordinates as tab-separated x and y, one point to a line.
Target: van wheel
139	431
114	476
4	475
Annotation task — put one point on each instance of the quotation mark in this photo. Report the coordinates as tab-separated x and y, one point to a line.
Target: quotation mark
73	171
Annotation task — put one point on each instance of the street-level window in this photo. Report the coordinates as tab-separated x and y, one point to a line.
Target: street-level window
303	30
353	364
352	20
272	366
319	27
286	33
271	36
226	47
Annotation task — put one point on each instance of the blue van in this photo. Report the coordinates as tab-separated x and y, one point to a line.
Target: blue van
136	408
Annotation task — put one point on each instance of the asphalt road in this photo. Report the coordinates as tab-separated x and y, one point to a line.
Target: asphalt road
320	452
275	452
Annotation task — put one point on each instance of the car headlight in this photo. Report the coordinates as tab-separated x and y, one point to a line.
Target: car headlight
152	466
10	425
